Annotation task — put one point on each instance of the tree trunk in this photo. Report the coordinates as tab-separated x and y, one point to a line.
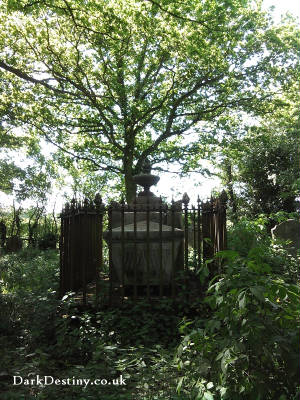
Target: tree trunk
231	195
130	186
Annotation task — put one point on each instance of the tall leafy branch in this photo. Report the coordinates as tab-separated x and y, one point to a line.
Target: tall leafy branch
111	83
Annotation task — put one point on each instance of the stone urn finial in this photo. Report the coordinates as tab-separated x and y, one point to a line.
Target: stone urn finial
146	167
145	179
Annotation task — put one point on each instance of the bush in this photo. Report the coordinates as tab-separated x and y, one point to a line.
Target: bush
246	234
13	244
48	241
28	284
249	348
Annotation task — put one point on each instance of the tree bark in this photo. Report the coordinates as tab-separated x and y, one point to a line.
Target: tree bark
130	186
231	195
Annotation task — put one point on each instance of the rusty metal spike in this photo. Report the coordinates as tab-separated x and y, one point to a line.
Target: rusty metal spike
223	197
86	203
185	198
73	204
98	199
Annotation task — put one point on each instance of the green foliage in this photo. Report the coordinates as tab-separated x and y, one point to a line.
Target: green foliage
249	347
246	234
110	83
48	241
33	225
32	181
240	341
29	271
9	172
260	161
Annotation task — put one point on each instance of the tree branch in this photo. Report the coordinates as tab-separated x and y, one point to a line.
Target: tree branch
23	75
175	15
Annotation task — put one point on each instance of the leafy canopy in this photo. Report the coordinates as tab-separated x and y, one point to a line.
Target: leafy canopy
259	160
112	82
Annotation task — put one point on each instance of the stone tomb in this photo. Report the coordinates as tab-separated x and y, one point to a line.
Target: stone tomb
140	245
149	251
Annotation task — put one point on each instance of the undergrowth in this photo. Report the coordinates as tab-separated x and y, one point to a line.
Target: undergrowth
237	341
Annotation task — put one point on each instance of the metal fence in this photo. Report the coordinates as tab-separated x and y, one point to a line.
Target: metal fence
118	250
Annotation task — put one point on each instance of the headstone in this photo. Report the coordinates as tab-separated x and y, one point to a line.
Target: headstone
289	231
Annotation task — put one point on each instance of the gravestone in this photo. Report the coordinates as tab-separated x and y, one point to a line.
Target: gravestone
289	231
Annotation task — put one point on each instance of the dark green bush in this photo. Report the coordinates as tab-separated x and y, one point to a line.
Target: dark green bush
246	234
240	338
249	347
13	244
47	241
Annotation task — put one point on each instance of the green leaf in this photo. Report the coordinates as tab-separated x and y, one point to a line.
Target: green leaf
210	385
258	292
242	300
179	385
230	255
208	396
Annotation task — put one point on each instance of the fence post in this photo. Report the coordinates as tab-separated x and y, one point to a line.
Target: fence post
185	200
148	248
223	205
160	249
135	248
110	253
99	243
62	254
122	211
199	233
173	248
71	244
206	230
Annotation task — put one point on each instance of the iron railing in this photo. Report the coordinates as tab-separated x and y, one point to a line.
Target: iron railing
118	250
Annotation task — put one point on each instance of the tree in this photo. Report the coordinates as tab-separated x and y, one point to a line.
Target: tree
111	83
260	163
8	170
24	181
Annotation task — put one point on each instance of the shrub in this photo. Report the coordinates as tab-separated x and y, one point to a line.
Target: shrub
48	241
13	244
249	347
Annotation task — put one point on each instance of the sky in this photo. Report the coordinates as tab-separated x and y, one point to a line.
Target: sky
171	185
283	6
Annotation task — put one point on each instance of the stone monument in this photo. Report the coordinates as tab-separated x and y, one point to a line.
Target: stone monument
289	231
146	239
